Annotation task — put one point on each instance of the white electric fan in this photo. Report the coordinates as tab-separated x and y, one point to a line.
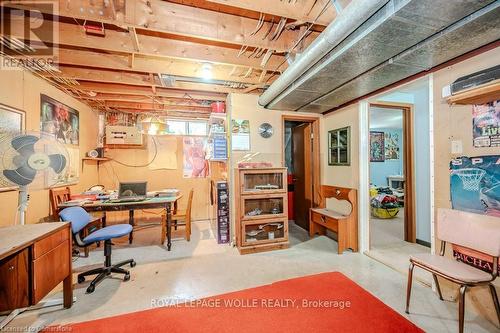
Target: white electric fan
37	161
34	160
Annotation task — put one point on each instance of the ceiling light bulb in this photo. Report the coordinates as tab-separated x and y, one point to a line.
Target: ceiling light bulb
206	71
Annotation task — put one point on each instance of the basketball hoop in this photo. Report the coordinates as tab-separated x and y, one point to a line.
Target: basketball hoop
470	177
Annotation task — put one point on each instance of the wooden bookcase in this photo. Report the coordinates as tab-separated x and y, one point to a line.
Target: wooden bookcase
261	209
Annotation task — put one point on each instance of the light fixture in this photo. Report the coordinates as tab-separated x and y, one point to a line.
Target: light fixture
153	125
206	71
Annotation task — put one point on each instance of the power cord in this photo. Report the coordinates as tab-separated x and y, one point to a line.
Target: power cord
142	165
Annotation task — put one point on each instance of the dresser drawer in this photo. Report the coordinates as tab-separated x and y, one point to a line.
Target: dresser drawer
49	243
325	221
50	269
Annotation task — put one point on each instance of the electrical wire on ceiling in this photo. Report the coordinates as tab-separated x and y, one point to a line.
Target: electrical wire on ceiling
306	33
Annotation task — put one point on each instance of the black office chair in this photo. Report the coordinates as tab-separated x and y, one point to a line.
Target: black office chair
79	218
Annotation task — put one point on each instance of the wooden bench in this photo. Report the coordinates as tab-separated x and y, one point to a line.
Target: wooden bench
346	226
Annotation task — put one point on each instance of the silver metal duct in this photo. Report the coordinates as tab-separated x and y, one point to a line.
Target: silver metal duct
345	23
403	38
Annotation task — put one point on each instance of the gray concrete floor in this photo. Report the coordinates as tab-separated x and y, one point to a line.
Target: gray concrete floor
387	245
202	268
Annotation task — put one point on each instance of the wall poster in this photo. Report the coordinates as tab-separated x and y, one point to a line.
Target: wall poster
59	120
486	124
475	187
391	145
377	147
240	130
195	164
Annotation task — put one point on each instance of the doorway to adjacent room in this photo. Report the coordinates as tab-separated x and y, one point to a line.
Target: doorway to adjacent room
301	157
392	218
400	122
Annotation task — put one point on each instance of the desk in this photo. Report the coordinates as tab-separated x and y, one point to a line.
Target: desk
150	203
34	259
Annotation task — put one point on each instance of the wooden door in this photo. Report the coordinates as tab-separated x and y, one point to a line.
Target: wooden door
302	166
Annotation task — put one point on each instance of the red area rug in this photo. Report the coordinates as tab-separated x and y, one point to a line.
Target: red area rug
325	302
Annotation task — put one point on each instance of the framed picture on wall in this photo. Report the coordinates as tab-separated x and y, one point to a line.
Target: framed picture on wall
12	121
377	147
59	120
391	146
339	146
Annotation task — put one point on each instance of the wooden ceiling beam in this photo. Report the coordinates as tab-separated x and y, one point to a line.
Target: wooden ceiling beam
97	69
129	90
145	46
186	100
300	10
174	19
154	106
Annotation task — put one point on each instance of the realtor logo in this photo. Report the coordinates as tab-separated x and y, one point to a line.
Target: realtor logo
28	34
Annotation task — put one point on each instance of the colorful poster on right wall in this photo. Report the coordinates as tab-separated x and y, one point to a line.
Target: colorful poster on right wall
475	184
475	187
486	124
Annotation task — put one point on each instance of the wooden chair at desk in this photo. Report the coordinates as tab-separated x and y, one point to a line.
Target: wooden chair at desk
181	216
62	194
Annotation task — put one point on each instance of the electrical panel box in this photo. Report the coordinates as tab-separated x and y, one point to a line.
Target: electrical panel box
123	135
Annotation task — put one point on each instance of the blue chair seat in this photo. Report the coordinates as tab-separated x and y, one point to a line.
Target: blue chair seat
113	231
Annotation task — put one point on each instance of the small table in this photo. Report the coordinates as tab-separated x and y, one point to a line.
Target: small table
150	203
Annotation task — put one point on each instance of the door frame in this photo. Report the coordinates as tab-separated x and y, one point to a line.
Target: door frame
410	227
316	161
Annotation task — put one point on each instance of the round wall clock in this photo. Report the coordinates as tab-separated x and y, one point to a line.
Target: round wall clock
266	130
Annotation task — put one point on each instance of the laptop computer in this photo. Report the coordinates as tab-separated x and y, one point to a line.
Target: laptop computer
131	192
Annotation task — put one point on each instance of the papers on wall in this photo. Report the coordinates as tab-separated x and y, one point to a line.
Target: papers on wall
195	164
166	153
240	131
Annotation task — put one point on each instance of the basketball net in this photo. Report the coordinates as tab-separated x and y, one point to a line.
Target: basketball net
470	177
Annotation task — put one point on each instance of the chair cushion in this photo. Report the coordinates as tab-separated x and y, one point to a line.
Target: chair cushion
451	268
113	231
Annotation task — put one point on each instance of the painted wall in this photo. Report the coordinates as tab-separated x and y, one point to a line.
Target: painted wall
111	173
242	106
21	90
422	156
344	176
380	170
455	123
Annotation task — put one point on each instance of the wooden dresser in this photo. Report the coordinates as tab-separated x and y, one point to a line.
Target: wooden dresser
34	259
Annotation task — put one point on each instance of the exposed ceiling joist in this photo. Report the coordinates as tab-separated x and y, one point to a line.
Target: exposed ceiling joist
187	99
299	10
123	89
154	106
121	42
102	72
175	19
